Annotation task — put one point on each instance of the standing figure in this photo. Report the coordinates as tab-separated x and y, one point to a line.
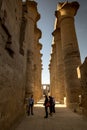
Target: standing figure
51	105
46	107
30	105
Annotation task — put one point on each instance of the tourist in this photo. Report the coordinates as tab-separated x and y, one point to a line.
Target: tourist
46	106
30	105
51	105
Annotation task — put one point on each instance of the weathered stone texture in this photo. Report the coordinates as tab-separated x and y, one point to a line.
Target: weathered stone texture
60	89
16	59
68	55
37	65
83	69
12	72
31	39
53	73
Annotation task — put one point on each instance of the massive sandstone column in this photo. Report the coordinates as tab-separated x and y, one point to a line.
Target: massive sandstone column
39	71
52	68
31	15
60	90
71	56
83	76
37	65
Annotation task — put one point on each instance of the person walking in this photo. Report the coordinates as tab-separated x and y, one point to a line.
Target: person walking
30	105
46	106
51	105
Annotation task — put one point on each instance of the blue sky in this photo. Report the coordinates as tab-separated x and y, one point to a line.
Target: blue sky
47	9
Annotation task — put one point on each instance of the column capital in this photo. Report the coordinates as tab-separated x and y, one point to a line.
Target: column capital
31	11
32	4
67	9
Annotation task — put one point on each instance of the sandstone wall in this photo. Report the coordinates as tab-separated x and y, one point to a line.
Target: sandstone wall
18	57
12	64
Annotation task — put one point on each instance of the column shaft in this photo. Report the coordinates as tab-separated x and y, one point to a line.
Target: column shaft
71	54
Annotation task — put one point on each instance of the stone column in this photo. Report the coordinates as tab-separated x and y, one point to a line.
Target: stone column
53	72
51	76
39	94
50	65
31	15
71	55
37	65
60	89
54	80
83	76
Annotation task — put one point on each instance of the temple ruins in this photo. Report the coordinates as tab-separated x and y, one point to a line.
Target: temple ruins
21	63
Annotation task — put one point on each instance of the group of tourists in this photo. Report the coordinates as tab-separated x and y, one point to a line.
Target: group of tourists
49	104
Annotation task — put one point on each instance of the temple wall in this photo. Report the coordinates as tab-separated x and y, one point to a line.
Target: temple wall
16	43
12	64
